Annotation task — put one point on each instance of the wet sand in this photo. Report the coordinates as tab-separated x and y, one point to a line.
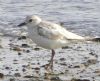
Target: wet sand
22	60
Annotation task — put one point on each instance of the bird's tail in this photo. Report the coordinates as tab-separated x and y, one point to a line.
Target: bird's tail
93	39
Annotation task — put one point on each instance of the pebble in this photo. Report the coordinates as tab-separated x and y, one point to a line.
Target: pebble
1	46
17	75
55	79
22	37
25	45
37	68
66	47
62	59
7	68
64	64
19	53
24	66
80	80
23	69
93	54
1	75
15	60
36	49
28	76
27	51
17	49
92	60
77	66
11	79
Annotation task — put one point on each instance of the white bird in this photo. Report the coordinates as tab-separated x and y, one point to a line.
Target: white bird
50	35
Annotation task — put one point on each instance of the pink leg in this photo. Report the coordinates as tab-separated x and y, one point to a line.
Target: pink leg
51	61
50	65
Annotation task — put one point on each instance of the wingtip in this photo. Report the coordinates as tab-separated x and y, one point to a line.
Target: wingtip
96	39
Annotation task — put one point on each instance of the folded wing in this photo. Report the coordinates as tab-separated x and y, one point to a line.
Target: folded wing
54	31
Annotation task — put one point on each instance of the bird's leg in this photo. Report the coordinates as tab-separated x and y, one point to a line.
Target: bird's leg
51	61
50	65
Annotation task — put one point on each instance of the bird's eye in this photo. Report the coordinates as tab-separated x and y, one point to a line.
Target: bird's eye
30	20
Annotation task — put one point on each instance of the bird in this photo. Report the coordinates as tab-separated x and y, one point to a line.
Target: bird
50	35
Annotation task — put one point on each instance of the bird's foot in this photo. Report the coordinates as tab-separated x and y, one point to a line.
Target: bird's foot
49	67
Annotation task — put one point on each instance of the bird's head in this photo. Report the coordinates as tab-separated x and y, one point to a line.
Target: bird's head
31	20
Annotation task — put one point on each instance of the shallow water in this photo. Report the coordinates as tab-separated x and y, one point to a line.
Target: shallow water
80	16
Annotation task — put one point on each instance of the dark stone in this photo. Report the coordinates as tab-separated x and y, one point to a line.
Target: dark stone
55	79
11	79
7	68
80	80
17	49
15	60
22	37
1	75
24	66
64	64
25	45
16	70
36	49
77	66
92	53
27	51
17	75
19	53
66	47
62	59
36	68
23	70
28	76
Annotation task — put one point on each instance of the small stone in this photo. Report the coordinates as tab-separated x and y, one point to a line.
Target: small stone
23	70
1	46
55	79
25	45
22	37
11	79
15	63
36	49
15	60
7	68
17	75
16	70
97	71
19	53
77	66
1	75
24	66
79	79
62	59
17	49
66	47
64	64
27	51
93	54
38	63
37	68
28	76
92	60
19	38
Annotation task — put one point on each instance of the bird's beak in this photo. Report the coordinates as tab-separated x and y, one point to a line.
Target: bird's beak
22	24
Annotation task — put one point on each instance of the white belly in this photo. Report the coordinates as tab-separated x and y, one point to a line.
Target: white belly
44	42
